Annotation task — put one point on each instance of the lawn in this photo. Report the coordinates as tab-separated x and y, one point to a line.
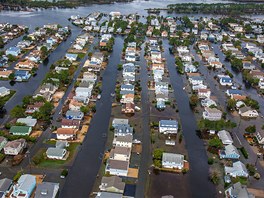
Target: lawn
49	163
6	98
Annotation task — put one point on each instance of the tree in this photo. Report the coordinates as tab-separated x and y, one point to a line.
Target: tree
44	111
17	112
216	143
251	129
231	104
84	109
194	100
1	42
157	154
214	177
11	58
26	100
44	51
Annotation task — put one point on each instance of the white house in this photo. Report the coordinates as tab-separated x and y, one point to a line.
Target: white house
56	153
237	170
204	93
212	114
225	137
4	91
14	147
168	126
123	141
116	167
248	112
171	160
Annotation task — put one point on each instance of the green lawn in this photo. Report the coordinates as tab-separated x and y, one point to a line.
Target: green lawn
49	163
6	98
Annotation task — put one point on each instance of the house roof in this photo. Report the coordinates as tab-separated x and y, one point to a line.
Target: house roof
113	181
172	157
117	121
120	151
66	131
2	139
3	89
108	195
237	166
225	136
20	129
126	138
46	190
238	190
68	122
5	184
117	164
15	143
26	181
168	123
230	149
212	110
58	152
244	109
29	121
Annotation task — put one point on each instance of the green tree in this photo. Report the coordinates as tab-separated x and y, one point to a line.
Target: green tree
251	129
84	109
2	44
17	112
194	100
216	143
157	154
231	104
44	51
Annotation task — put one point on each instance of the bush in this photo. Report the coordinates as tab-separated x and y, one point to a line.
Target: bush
64	172
17	176
244	152
210	161
251	129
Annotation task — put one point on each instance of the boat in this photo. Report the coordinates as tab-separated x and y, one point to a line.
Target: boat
99	97
112	94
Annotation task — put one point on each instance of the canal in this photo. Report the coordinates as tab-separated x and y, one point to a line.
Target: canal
83	173
200	186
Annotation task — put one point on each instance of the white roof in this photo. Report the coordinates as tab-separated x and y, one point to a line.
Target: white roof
225	137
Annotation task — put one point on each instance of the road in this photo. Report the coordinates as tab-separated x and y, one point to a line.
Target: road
146	150
199	185
83	172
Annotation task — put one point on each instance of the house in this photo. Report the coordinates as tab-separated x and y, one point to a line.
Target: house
22	75
97	57
3	142
71	57
123	141
117	167
66	123
237	170
24	187
56	153
168	126
212	114
14	51
195	80
108	195
33	108
225	137
231	92
128	98
120	153
123	130
75	115
226	81
5	73
25	65
173	161
238	190
128	108
127	89
248	66
5	187
29	121
229	152
47	190
14	147
204	93
248	112
75	105
119	121
66	134
4	91
82	94
258	136
112	184
207	102
20	130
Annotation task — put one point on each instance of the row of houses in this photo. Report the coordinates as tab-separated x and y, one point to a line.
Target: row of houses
10	31
27	186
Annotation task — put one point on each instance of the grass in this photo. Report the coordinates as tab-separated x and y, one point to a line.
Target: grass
81	55
49	163
6	98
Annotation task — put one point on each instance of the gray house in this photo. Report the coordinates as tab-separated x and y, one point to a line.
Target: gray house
47	190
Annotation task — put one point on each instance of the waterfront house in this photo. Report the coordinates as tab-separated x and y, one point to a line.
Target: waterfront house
232	92
66	134
189	68
82	94
75	115
14	147
6	186
168	126
229	152
35	56
25	65
14	51
120	153
225	137
3	142
71	57
56	153
238	190
22	75
24	186
117	167
112	184
4	91
47	87
248	112
127	89
204	93
172	161
28	121
237	170
97	57
47	190
119	121
5	73
212	114
123	141
195	80
128	98
207	102
225	81
123	130
75	105
20	130
73	124
128	108
34	107
89	76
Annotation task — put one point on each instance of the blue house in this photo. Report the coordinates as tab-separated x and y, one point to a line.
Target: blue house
231	92
229	152
226	81
3	61
71	57
161	104
74	115
51	41
22	75
14	51
25	186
